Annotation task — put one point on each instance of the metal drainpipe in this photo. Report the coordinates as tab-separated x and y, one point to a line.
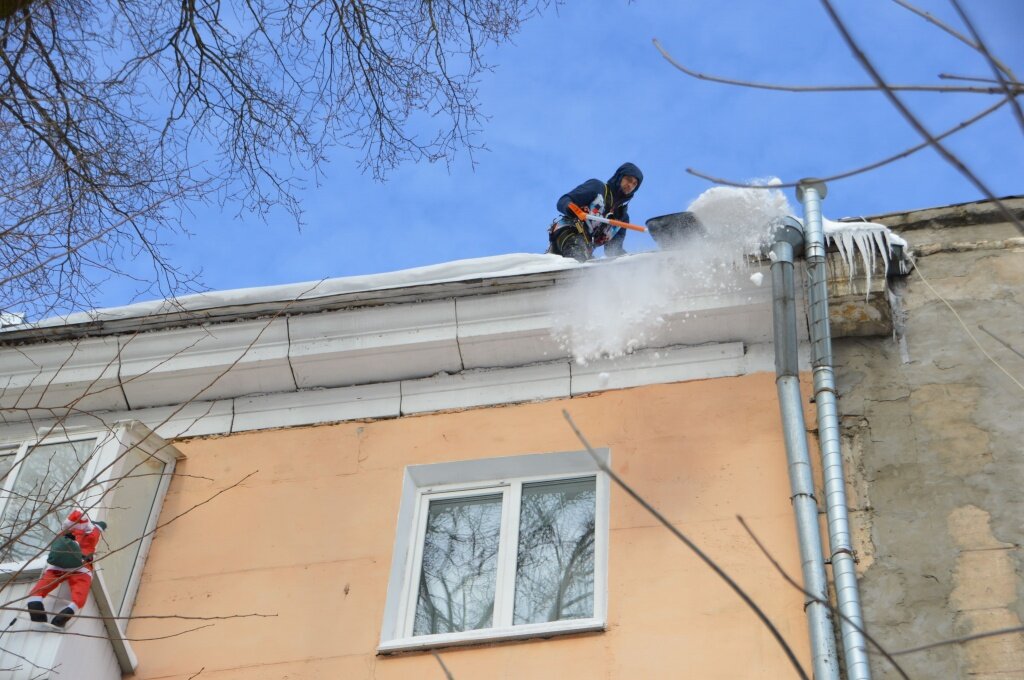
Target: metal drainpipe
810	192
788	241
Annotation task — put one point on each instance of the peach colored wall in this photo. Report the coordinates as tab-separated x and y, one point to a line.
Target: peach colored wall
308	538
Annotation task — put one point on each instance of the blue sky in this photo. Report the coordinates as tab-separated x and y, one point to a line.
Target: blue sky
582	89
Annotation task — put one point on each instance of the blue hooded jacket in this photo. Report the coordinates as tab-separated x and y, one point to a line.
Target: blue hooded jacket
615	206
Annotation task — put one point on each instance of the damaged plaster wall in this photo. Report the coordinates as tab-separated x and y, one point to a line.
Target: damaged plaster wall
935	444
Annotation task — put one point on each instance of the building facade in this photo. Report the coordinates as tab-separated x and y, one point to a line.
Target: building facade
374	477
932	422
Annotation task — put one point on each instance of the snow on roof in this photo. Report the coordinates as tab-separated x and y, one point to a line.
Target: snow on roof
730	211
514	264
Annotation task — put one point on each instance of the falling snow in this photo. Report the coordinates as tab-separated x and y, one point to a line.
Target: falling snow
617	307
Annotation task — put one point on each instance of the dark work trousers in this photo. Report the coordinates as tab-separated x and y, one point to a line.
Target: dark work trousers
572	241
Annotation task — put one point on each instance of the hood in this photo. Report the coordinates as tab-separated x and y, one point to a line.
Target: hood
625	169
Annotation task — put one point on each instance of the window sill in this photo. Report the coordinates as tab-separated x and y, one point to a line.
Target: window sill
487	635
18	572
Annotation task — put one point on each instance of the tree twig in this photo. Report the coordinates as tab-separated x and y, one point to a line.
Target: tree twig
950	30
693	547
447	673
791	581
856	171
862	58
817	88
1011	95
960	640
1001	341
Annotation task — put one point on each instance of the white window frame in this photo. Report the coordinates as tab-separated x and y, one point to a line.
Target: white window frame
470	479
110	444
134	434
101	445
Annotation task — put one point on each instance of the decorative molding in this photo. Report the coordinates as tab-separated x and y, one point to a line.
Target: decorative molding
483	343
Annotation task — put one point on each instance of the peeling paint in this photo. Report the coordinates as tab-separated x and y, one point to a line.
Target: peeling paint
984	587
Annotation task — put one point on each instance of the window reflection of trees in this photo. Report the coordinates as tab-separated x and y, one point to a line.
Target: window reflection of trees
555	564
47	480
460	560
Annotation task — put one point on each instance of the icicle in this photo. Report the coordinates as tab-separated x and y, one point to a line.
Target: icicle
867	254
863	241
882	242
848	251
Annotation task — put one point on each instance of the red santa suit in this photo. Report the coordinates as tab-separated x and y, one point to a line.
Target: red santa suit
79	579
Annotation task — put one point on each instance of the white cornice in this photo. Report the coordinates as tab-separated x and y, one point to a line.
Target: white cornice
469	348
468	389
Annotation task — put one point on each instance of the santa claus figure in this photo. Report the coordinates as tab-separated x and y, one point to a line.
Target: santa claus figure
69	561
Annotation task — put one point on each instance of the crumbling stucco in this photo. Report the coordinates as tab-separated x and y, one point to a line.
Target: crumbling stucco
984	588
933	438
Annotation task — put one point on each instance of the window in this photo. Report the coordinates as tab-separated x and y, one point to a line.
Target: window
483	555
119	476
7	455
39	494
131	507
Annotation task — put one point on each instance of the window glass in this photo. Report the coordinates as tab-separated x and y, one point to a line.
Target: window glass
6	462
555	562
127	510
460	563
47	480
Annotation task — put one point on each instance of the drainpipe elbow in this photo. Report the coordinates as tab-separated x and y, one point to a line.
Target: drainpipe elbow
787	239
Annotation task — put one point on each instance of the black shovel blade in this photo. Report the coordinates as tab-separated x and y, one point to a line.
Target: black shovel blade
674	230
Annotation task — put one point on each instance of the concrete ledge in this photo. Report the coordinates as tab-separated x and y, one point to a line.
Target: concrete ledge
654	366
317	406
486	388
468	389
381	344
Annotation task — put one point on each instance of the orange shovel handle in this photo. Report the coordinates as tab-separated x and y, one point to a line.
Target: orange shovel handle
578	211
582	214
625	225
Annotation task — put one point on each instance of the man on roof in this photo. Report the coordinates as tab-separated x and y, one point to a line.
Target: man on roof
570	236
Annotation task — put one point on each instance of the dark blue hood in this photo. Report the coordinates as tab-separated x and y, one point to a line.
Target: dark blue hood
625	169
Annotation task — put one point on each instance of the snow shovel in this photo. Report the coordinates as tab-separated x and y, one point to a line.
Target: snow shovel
587	217
674	230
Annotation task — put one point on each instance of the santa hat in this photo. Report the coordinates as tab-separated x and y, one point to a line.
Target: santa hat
77	521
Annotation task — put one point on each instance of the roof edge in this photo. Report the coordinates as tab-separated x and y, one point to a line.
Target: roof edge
966	214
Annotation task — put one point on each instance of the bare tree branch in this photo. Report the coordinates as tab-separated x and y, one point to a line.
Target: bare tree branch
117	111
952	31
1010	90
447	673
736	588
976	79
912	119
856	171
960	640
818	88
791	581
